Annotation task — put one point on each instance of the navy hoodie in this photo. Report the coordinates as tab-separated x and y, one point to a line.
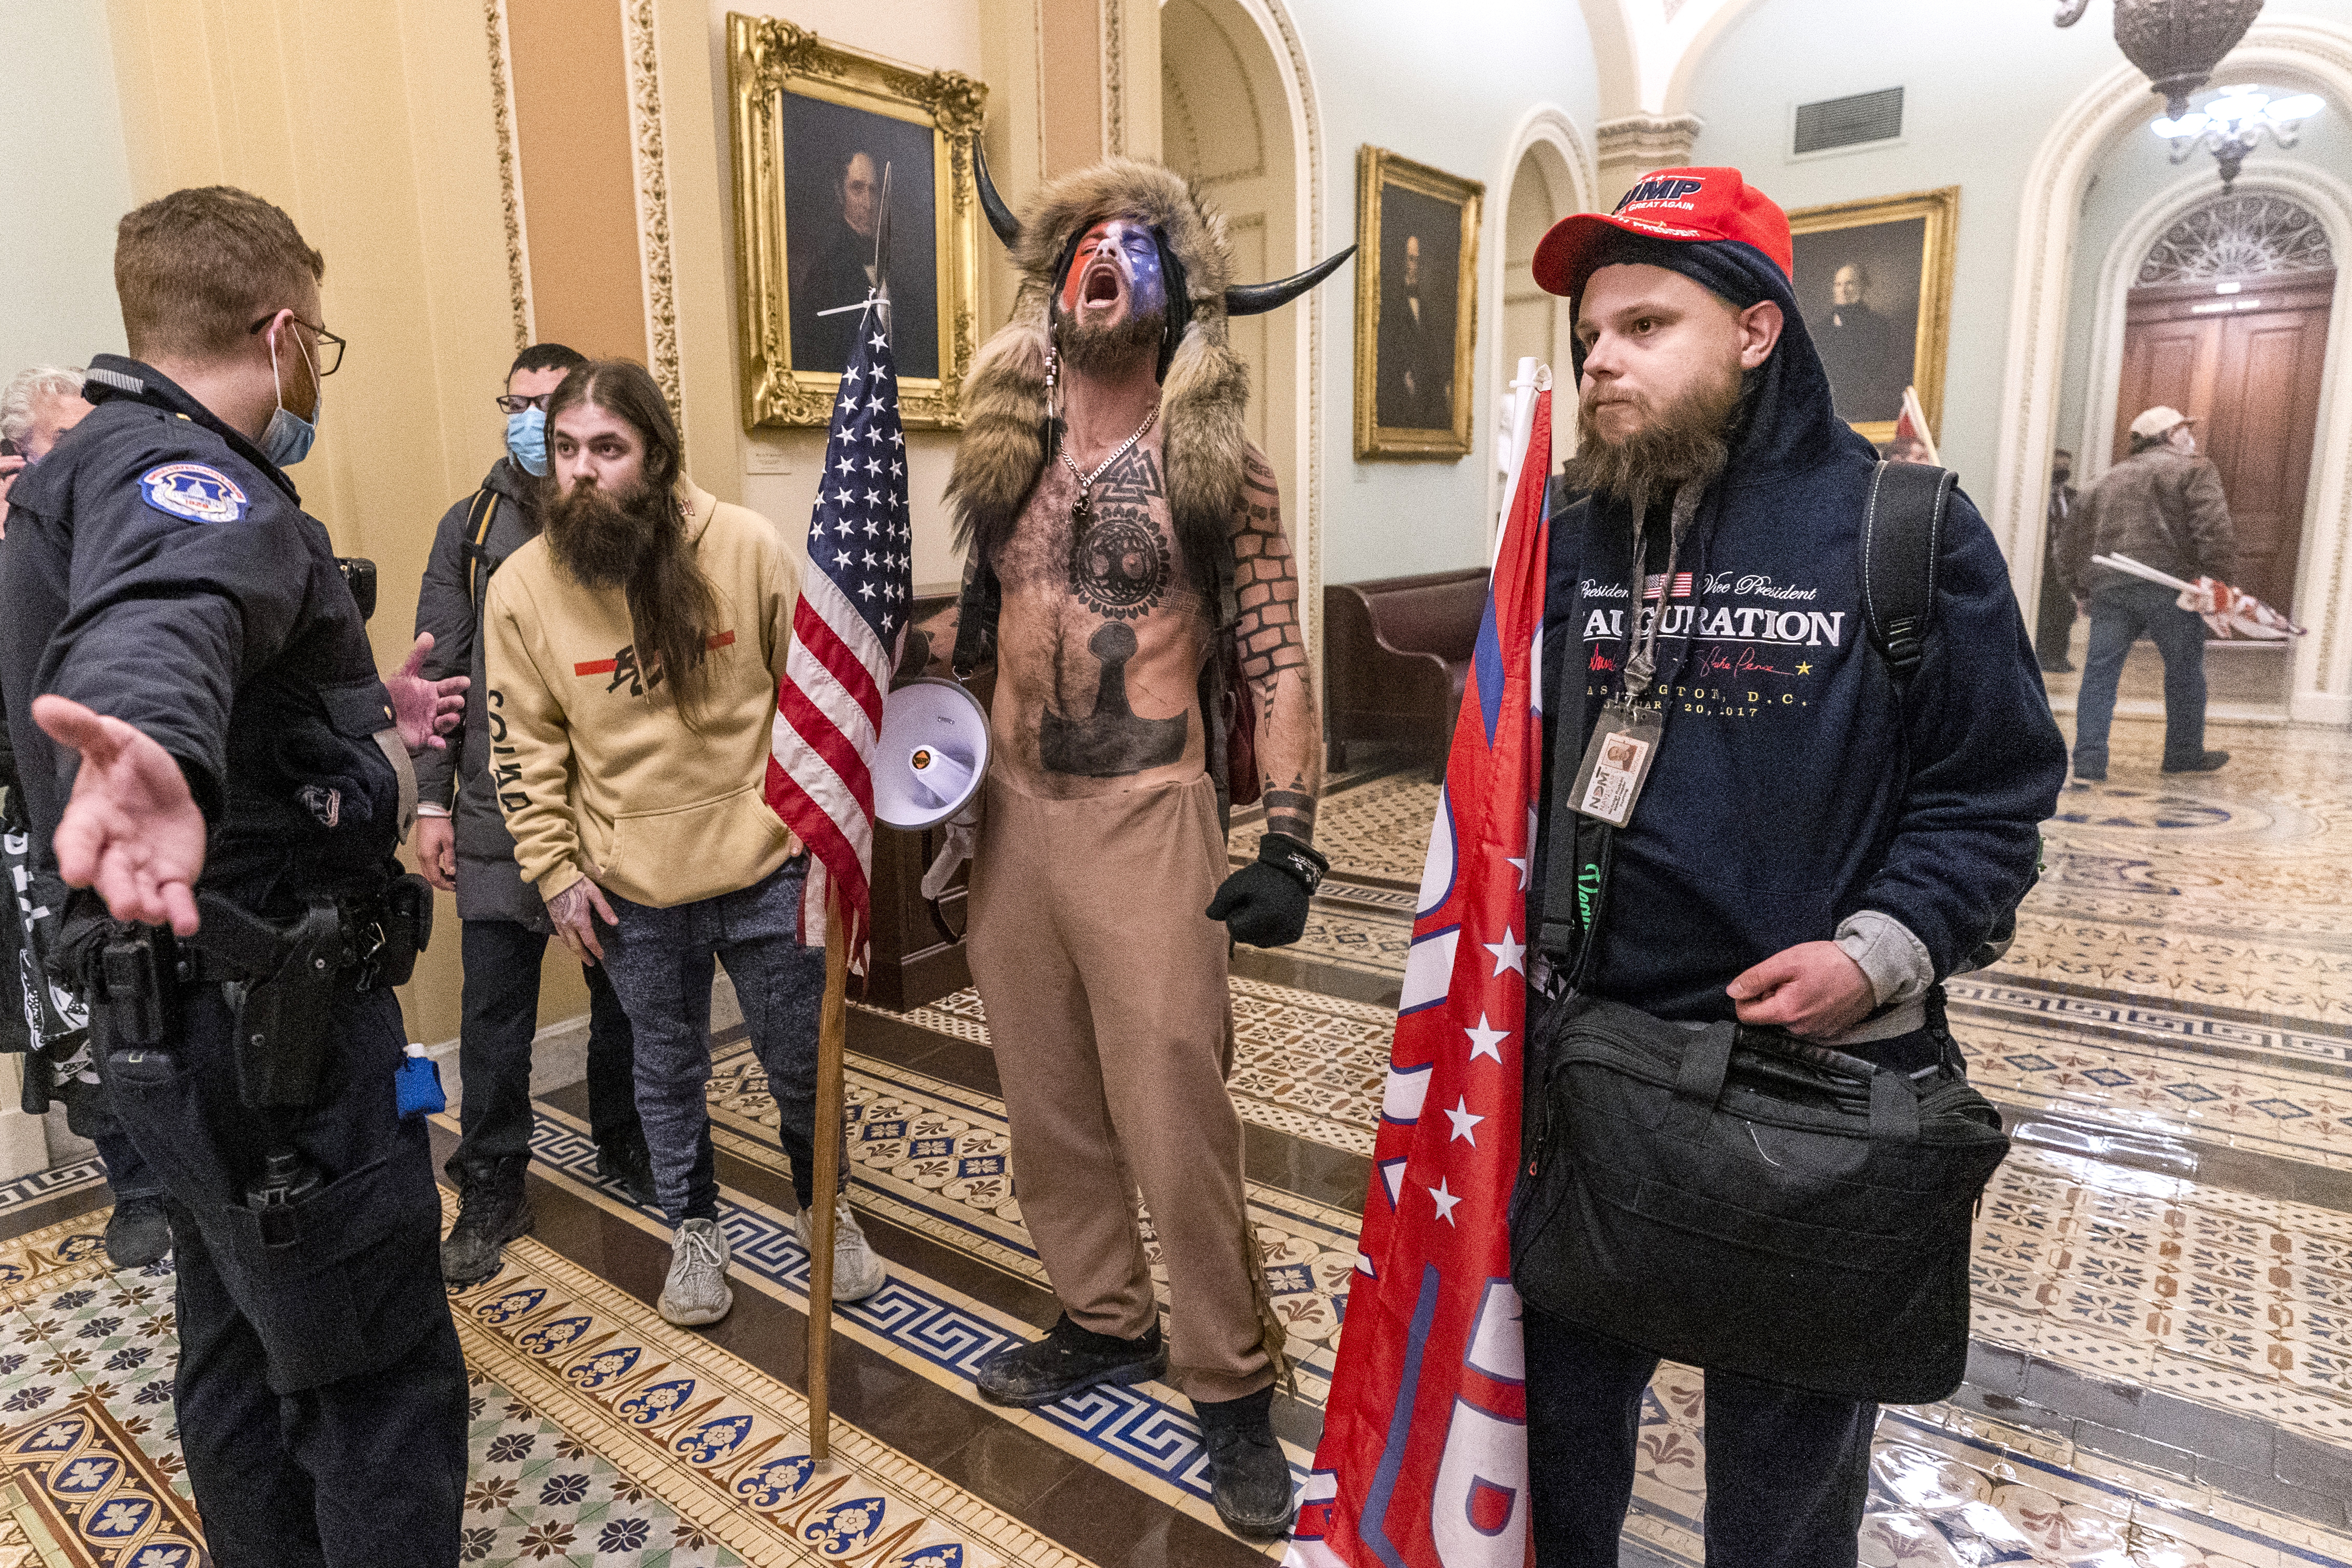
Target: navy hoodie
1792	785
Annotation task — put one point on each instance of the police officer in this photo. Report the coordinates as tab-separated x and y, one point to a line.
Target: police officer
168	612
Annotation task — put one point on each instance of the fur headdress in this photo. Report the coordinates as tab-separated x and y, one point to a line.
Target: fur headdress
1205	391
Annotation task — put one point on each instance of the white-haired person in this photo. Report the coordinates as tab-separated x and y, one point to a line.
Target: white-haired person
35	407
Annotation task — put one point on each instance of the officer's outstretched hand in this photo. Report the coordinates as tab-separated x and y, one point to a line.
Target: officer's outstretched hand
131	830
426	710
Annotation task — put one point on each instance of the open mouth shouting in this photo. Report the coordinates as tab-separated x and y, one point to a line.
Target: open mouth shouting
1114	273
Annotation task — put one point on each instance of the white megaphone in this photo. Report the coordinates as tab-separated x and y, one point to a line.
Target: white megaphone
933	756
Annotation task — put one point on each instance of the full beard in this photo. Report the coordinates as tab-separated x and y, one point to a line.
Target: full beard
1686	441
1110	351
603	539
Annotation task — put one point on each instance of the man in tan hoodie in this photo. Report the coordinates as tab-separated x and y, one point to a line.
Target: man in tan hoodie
634	649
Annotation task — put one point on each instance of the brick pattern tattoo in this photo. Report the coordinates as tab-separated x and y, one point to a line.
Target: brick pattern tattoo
1273	653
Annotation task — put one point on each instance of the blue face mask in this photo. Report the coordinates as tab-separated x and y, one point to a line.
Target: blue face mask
285	441
526	441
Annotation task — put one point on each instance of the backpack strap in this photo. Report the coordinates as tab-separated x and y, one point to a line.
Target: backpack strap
478	533
1902	538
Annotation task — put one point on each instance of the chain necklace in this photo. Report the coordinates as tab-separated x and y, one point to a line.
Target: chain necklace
1084	506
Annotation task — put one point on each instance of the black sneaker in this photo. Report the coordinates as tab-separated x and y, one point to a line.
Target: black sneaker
493	1209
1066	1361
1249	1477
139	1234
2205	764
628	1167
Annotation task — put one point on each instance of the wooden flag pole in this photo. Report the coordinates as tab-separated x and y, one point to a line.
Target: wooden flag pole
833	1028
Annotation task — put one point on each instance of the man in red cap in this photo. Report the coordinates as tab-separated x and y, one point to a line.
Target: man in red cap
1814	845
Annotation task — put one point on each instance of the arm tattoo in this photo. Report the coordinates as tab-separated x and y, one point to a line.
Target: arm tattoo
1265	584
1290	811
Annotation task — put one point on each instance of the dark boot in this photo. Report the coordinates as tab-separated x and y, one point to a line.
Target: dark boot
2208	763
628	1166
139	1234
493	1209
1066	1361
1249	1477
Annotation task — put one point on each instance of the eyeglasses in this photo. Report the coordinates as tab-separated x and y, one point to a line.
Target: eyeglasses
511	403
331	348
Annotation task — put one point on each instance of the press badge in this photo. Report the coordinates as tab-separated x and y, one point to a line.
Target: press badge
1617	762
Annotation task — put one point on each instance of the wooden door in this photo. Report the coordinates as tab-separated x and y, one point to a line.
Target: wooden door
2248	363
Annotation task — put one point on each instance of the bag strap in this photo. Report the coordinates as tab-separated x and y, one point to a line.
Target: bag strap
1902	538
478	533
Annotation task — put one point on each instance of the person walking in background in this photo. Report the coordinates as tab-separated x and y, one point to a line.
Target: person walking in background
463	847
2053	625
2163	507
634	652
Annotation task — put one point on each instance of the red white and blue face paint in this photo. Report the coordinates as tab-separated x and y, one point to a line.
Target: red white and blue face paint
1114	274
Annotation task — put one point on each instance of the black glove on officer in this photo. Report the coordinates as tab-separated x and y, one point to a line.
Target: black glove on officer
1264	904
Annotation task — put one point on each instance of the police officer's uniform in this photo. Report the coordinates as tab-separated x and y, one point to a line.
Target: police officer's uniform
160	569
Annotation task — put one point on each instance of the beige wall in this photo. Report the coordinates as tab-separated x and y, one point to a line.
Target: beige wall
370	122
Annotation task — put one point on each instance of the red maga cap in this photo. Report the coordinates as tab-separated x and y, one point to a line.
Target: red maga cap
1683	204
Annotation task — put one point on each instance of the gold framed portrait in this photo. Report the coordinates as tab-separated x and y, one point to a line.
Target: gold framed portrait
1874	279
1416	306
814	127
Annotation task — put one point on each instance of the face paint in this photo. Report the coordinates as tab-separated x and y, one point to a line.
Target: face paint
1128	246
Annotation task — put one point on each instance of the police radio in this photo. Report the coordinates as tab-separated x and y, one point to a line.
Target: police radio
359	576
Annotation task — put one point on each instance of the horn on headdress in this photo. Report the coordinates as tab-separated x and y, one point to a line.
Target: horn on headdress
1000	216
1257	298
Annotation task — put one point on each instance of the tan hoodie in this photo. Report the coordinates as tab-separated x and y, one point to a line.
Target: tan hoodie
597	774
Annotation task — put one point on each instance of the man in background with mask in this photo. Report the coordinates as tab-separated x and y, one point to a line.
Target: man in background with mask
463	847
205	742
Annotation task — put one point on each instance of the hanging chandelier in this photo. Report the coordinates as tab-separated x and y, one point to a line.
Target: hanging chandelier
2233	124
2174	43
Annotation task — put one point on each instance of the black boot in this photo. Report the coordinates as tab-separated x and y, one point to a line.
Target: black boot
1249	1477
2206	763
627	1165
1067	1360
493	1209
139	1234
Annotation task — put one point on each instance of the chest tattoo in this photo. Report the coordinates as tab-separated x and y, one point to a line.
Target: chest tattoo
1120	560
1114	740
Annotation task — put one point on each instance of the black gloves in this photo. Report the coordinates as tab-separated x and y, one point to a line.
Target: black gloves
1265	905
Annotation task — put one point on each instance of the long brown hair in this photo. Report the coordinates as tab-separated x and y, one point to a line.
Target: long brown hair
673	609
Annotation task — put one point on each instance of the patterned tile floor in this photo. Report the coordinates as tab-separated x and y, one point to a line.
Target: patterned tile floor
2180	987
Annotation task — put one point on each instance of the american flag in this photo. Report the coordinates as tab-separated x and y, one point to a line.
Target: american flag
847	632
1423	1460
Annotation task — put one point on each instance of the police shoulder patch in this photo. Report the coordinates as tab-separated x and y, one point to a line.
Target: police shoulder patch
196	491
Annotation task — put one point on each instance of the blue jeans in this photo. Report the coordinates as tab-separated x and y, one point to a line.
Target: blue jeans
2120	613
1787	1471
660	961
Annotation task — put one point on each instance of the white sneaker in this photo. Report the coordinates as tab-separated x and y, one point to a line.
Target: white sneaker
696	1292
856	1272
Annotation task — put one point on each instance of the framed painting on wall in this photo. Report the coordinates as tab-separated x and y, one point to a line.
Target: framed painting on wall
815	126
1416	306
1874	282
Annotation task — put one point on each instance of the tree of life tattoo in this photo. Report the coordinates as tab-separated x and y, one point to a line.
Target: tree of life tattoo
1266	585
1119	561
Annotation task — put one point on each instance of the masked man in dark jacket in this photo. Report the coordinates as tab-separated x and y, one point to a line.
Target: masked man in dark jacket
463	846
1813	847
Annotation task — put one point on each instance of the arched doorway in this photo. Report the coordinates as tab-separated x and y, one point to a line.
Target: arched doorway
1226	126
1534	323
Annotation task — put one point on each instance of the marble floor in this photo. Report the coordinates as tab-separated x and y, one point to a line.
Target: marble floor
2161	1373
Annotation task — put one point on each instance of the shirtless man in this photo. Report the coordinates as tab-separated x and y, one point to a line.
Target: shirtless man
1093	581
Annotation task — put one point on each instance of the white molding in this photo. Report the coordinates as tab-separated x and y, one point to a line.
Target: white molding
2049	221
1546	131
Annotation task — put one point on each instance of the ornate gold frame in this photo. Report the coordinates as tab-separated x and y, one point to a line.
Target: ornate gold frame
765	57
1377	166
1941	208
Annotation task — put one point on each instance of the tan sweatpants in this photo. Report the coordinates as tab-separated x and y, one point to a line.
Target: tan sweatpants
1105	988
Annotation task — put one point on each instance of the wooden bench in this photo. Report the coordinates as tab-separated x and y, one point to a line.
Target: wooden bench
1396	654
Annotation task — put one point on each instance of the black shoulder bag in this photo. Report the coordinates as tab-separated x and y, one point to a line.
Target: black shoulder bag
1736	1198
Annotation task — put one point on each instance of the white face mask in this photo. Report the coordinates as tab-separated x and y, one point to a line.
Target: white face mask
285	441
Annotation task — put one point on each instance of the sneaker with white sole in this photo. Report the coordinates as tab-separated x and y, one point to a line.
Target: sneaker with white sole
696	1292
856	1272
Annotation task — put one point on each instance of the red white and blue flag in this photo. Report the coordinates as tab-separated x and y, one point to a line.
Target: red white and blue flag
847	629
1424	1462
